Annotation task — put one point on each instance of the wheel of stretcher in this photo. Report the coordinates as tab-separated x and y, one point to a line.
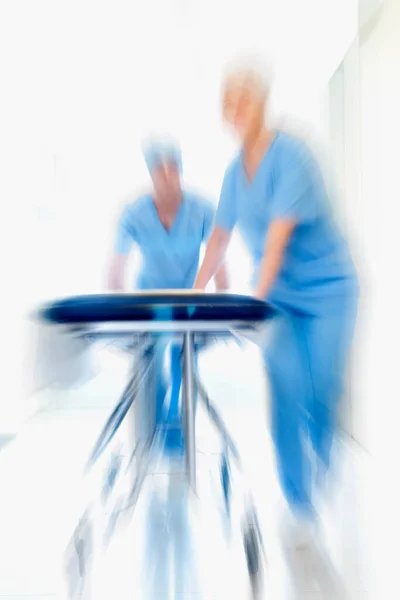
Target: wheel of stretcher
225	481
252	550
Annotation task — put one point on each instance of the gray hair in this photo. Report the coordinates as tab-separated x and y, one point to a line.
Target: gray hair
249	71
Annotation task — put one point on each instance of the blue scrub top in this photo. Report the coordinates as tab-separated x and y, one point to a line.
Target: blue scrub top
317	268
170	259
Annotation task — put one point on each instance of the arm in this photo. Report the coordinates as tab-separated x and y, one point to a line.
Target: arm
117	273
213	259
224	224
277	240
221	279
221	275
293	204
123	244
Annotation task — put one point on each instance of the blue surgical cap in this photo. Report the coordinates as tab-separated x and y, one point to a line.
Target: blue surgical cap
157	153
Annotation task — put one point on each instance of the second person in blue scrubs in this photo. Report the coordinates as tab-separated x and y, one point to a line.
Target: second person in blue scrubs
169	226
274	193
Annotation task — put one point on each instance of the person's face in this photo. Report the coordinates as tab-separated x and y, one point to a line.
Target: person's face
243	109
166	180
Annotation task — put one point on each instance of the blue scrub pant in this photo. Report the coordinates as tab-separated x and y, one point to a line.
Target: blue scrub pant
162	386
306	362
174	437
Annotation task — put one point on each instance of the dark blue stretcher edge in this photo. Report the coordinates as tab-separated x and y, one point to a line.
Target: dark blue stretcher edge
106	308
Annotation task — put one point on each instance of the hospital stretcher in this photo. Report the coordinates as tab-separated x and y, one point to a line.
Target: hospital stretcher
140	323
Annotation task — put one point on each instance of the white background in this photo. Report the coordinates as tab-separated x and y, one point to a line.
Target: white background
82	82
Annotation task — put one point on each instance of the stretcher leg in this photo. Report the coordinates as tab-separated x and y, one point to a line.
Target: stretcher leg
114	421
218	422
144	416
189	407
176	381
174	433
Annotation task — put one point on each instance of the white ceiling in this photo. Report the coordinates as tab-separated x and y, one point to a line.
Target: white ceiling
88	78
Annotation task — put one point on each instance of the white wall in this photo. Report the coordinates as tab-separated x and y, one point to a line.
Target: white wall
345	147
371	190
380	101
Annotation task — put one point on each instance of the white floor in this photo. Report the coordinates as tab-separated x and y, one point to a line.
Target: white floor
43	496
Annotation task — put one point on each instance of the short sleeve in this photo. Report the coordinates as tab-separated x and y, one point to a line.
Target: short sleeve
125	233
295	196
226	216
209	220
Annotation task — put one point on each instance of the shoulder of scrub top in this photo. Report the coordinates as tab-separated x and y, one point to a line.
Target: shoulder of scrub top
132	208
294	151
292	147
199	201
295	157
134	204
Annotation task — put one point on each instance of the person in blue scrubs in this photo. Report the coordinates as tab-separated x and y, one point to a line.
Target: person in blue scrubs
169	225
274	193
